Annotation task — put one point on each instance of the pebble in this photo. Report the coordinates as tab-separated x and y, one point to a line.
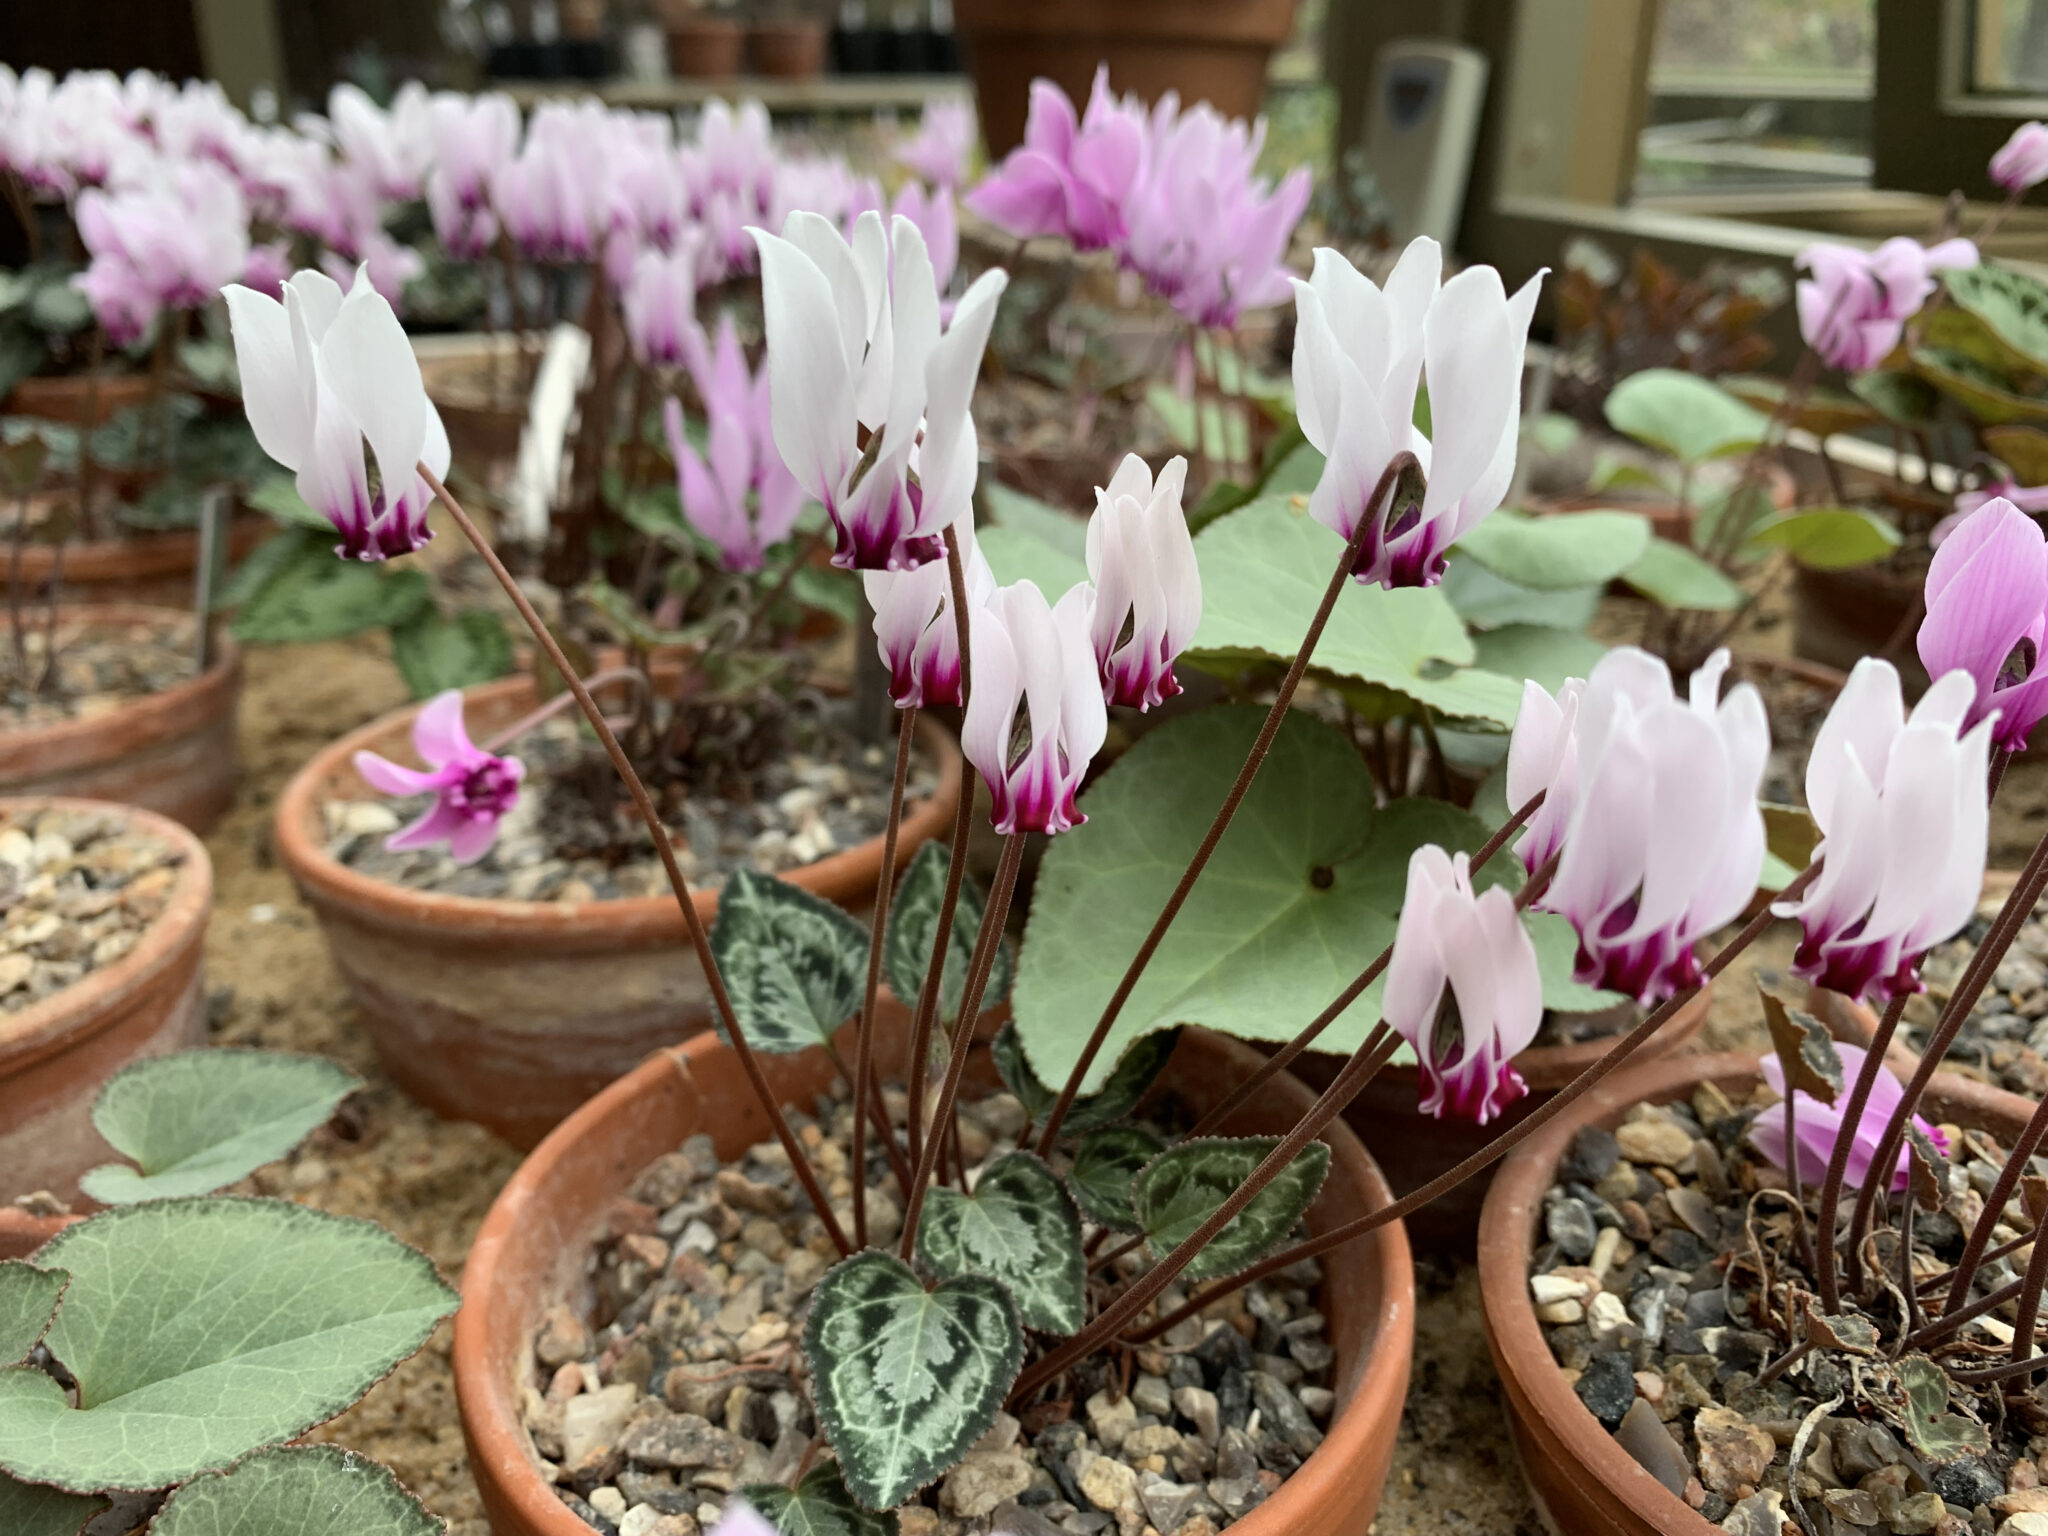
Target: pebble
1734	1453
1199	1406
2027	1523
1591	1158
983	1480
1607	1387
1696	1211
1645	1438
1108	1484
1109	1420
1657	1141
75	900
1570	1225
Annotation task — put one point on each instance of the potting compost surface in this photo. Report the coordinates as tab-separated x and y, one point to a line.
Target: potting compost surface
98	668
78	889
431	1180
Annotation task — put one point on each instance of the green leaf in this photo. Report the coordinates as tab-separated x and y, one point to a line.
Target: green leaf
59	309
1298	474
1557	951
1983	391
200	1330
1181	1188
1520	651
279	496
1791	833
1904	399
1823	411
1016	556
28	1304
435	653
1221	497
2023	450
200	1120
1718	511
1020	1226
1278	924
830	591
319	596
631	623
1484	601
303	1490
1135	1071
2013	308
1264	570
1007	1051
796	965
1829	538
906	1379
1938	1435
1105	1166
914	923
1063	531
1683	415
1672	576
1558	553
817	1506
263	566
27	1509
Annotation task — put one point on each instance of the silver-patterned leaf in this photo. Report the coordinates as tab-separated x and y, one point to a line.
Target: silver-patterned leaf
914	922
1181	1188
1020	1226
1007	1051
1922	1411
297	1490
28	1305
794	964
30	1509
817	1506
906	1379
1140	1065
1106	1165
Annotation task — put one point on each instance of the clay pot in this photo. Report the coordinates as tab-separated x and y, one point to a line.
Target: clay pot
1583	1482
1849	1020
703	47
173	752
533	1248
63	397
1414	1148
477	381
1839	617
512	1013
56	1054
791	50
1207	50
153	568
22	1234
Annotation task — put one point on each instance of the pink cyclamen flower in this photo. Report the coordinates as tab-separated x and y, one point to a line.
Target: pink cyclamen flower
322	374
1360	356
170	243
870	396
1818	1124
1987	615
740	1519
1543	755
936	220
473	138
1070	176
472	789
392	148
743	499
1148	589
1903	807
1038	658
1854	304
660	307
915	631
1476	945
944	141
1665	840
2022	161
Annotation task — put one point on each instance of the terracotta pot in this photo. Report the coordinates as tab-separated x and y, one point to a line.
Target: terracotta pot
173	752
704	47
477	382
64	397
793	50
1583	1482
1414	1148
56	1054
152	568
22	1234
1849	1020
511	1013
1839	617
1207	50
533	1248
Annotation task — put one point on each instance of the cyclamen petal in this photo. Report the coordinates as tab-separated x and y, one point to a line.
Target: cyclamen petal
1854	304
1038	659
1818	1125
915	630
473	789
1141	558
1987	615
2022	161
744	500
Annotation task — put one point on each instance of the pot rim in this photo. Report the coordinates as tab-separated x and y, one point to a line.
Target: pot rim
89	1004
144	554
497	1438
561	926
1531	1381
40	750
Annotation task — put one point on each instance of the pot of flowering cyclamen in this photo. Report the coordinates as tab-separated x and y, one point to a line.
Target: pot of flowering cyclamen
512	1013
1583	1480
137	888
532	1249
170	751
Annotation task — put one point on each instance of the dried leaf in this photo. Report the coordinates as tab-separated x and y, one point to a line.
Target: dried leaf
1929	1169
1804	1047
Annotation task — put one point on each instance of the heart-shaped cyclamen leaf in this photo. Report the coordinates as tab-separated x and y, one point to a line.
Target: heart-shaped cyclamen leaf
28	1304
1105	1166
1020	1226
794	964
1141	1063
29	1509
914	922
906	1379
1181	1188
200	1330
310	1490
200	1120
817	1506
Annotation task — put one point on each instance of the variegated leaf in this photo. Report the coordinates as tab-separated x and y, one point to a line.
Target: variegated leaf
1007	1051
1020	1226
906	1379
30	1509
914	922
1125	1086
794	964
1923	1413
28	1305
1181	1188
817	1506
1106	1164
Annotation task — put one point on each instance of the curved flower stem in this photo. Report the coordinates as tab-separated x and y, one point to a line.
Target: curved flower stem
1388	486
985	946
1933	1333
1283	1058
2030	1305
1994	1206
699	939
562	701
1838	1155
956	871
1934	1283
864	1037
878	1114
1495	1150
1998	216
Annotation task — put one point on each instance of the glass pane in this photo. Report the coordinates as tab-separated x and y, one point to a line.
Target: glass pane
2009	45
